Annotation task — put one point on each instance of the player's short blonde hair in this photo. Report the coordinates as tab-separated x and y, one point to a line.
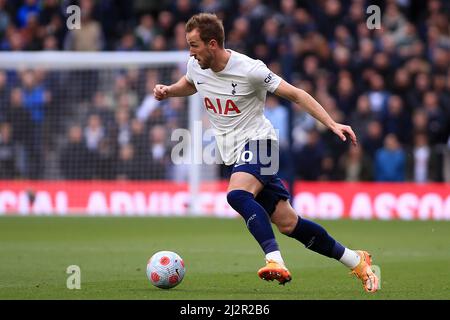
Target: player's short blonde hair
209	27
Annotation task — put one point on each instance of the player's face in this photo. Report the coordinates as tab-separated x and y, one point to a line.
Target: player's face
199	50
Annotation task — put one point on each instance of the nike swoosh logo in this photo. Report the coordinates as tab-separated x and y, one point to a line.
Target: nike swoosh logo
239	164
200	82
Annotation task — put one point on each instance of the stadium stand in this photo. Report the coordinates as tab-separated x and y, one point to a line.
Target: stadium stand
391	84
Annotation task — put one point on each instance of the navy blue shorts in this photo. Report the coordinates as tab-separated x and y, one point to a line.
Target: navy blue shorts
260	158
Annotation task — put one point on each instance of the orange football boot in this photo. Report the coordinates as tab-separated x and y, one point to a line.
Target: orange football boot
364	272
274	271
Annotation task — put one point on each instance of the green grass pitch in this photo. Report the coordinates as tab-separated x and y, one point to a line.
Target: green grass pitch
221	259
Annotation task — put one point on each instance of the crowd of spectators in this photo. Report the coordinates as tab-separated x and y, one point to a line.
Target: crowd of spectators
391	84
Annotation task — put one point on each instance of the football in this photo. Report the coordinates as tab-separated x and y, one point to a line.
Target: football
165	269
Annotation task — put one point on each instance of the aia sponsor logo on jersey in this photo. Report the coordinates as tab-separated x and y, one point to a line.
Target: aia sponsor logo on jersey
221	108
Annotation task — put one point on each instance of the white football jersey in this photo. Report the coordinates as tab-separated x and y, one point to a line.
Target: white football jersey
234	99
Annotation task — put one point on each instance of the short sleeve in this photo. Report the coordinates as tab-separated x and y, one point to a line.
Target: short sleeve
189	71
261	77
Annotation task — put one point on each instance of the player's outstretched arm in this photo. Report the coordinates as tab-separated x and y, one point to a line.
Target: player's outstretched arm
304	99
181	88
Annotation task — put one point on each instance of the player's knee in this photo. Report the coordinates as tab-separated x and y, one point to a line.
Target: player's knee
287	227
236	198
285	218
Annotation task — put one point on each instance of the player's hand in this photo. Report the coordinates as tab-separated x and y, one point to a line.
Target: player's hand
161	92
343	130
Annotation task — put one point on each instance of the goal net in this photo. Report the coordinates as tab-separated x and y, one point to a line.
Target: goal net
87	125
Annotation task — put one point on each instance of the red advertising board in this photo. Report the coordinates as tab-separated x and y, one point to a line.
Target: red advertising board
318	200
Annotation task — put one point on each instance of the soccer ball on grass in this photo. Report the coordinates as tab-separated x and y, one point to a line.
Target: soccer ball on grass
165	269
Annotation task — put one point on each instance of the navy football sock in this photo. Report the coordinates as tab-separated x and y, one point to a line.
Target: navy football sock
255	217
316	238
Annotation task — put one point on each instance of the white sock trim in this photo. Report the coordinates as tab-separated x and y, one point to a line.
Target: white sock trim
350	258
276	256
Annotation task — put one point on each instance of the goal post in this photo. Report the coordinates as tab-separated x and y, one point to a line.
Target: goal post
104	99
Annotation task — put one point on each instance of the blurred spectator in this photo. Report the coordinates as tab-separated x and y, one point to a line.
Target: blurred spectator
103	110
157	155
4	95
334	146
422	84
139	141
49	9
175	113
7	152
304	22
31	33
94	133
345	94
328	170
50	43
179	43
159	44
446	156
121	91
437	120
122	128
355	165
302	123
105	160
396	120
373	139
390	80
390	161
22	130
34	96
183	10
341	59
126	168
55	26
35	99
394	22
279	117
127	43
149	103
238	35
28	9
90	36
363	57
165	24
210	5
361	117
378	96
329	16
401	87
19	117
343	37
422	161
74	153
145	32
309	158
4	18
420	121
